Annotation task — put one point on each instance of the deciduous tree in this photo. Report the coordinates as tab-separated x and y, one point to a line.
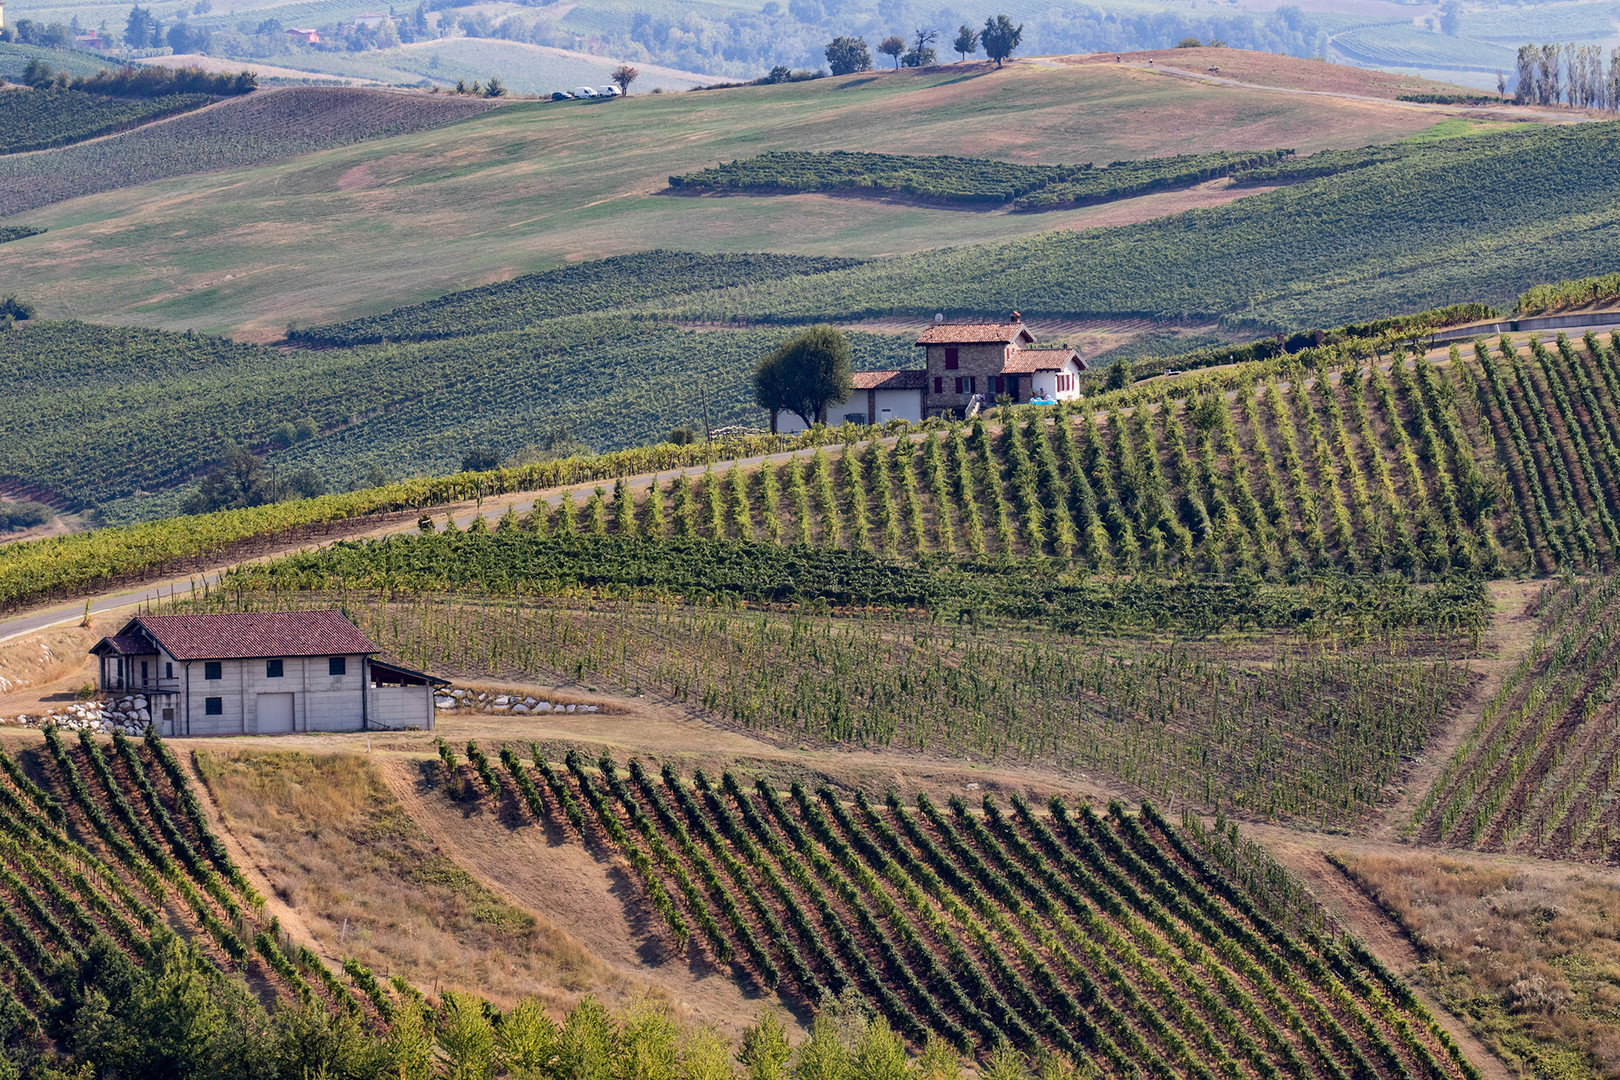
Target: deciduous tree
967	41
1000	38
847	55
892	46
805	374
623	76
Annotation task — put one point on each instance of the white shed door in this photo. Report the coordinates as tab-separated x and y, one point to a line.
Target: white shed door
275	713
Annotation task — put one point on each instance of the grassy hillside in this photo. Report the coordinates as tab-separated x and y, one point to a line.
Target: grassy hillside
355	231
1428	224
241	132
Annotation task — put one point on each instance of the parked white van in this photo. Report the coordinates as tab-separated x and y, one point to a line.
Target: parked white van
584	92
609	91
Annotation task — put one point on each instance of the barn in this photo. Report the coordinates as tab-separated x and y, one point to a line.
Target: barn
261	673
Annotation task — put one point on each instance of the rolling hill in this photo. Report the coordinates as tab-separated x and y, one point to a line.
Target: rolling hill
353	231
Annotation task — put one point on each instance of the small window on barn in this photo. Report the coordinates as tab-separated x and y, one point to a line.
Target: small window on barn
272	669
214	706
211	671
168	670
951	356
337	665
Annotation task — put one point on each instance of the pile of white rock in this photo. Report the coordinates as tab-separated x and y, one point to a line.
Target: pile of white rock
129	715
484	702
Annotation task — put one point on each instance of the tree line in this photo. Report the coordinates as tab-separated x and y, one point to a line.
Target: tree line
142	82
999	38
1571	74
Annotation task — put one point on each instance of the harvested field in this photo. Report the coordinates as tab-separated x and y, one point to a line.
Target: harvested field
1282	72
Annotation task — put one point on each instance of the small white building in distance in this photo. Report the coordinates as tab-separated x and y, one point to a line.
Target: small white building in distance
263	673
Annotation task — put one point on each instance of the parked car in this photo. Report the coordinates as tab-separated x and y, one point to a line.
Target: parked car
562	96
609	91
584	92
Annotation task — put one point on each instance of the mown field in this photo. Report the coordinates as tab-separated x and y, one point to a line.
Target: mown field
355	231
244	132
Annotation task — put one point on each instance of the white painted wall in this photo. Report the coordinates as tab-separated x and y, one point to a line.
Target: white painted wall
1044	383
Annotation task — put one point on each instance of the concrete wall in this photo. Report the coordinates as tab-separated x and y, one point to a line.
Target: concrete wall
402	707
321	701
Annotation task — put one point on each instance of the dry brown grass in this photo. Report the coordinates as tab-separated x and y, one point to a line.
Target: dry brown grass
1528	954
40	660
339	849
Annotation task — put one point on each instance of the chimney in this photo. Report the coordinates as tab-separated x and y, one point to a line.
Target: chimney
1017	318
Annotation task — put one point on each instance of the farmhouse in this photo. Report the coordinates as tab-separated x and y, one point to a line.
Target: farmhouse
983	360
308	37
261	674
967	362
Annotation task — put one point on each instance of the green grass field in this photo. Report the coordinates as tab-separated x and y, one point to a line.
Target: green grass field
351	232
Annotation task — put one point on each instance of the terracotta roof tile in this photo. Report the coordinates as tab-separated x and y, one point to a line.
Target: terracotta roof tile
974	333
914	379
125	644
1025	361
249	636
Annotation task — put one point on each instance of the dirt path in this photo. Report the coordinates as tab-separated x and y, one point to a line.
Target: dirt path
1384	936
1511	633
584	894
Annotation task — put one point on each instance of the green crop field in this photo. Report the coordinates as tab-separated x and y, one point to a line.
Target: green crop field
359	230
14	59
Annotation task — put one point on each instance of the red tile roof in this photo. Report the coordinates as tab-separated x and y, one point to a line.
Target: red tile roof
982	333
1025	361
125	644
260	634
914	379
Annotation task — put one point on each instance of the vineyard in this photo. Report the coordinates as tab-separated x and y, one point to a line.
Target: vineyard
1496	461
245	131
523	301
1538	773
98	413
1112	939
1292	721
1384	223
73	563
40	119
108	856
966	181
1493	463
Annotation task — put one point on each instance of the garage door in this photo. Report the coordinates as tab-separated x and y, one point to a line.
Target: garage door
275	713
